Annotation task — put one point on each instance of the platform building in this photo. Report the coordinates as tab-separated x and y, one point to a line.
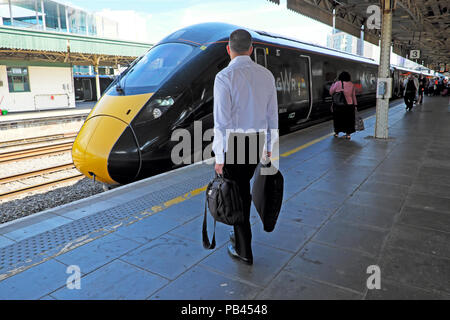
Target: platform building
42	43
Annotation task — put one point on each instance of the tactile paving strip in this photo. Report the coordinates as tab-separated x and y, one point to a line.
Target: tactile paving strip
33	249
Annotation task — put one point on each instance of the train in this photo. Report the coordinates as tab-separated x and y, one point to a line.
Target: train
86	89
128	134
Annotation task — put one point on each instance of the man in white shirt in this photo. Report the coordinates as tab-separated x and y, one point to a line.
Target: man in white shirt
245	100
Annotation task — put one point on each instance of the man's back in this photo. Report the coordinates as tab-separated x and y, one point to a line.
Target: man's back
251	89
245	99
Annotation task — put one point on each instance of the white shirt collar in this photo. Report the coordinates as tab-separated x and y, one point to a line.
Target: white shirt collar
240	59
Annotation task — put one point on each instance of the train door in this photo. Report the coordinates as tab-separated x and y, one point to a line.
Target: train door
293	81
87	89
395	83
292	72
300	89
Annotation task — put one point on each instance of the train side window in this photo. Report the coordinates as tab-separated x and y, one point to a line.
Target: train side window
260	56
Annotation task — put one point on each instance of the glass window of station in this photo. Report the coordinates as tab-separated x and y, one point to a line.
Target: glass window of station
49	15
18	80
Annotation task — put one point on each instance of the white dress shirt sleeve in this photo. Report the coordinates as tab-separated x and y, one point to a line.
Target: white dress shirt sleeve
222	116
272	118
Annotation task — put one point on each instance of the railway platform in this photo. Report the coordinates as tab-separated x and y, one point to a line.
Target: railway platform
348	206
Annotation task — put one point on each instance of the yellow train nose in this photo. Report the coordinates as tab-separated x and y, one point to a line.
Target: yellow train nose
105	146
91	149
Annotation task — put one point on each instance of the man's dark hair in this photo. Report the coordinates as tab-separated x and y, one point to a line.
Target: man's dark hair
344	76
240	41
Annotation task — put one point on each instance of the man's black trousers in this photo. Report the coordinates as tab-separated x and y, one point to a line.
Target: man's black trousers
409	99
242	174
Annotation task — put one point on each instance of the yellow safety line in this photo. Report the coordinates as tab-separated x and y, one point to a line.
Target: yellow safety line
178	199
306	145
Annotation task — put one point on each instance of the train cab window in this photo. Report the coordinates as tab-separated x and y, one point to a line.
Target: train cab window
260	56
155	66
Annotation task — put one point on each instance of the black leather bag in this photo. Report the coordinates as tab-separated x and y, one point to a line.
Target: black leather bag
339	98
267	195
225	205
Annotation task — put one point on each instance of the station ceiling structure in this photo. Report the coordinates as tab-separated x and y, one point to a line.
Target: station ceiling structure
63	48
417	24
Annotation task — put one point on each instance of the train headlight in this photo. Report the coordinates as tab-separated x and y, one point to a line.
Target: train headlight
157	113
167	102
155	108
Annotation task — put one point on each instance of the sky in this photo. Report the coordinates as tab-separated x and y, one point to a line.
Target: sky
161	17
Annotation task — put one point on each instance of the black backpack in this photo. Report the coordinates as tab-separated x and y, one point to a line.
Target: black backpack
339	98
267	196
225	205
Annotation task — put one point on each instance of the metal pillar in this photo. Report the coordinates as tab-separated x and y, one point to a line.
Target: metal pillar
97	78
382	110
38	24
67	20
43	15
10	12
361	42
59	17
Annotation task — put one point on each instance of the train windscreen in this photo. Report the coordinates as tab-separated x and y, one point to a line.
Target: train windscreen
154	67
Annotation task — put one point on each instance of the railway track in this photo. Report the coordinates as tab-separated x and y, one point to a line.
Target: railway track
29	141
37	173
29	153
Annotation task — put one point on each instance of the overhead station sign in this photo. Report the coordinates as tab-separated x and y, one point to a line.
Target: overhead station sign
414	54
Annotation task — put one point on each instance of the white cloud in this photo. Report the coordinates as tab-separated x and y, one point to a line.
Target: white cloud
133	25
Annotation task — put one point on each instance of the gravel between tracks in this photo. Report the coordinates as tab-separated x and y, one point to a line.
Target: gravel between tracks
47	161
38	201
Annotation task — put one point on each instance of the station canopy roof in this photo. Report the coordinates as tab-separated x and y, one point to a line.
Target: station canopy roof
36	45
417	24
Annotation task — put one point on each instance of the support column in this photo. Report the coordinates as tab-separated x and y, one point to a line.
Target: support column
43	15
97	78
361	42
67	19
38	24
382	109
59	17
10	12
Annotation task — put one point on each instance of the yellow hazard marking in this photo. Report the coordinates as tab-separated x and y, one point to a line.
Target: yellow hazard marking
306	145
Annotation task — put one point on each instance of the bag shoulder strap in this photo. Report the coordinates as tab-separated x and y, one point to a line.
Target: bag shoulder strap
342	82
206	243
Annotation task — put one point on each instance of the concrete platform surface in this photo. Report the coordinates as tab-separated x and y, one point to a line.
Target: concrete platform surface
350	207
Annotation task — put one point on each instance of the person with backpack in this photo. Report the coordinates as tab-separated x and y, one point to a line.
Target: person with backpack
411	89
344	111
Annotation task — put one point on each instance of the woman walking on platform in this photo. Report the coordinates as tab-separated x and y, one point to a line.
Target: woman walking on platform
344	116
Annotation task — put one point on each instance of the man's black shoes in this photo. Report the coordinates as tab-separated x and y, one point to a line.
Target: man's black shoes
234	254
232	238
